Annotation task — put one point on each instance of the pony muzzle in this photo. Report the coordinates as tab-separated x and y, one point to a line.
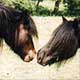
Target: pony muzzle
30	56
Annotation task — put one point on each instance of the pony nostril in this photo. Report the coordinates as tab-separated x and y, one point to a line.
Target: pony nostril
39	60
39	51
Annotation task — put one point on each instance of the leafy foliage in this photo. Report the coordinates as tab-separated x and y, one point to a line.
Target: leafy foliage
71	7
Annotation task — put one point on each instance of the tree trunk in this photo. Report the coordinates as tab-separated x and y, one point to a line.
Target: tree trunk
38	2
56	7
37	5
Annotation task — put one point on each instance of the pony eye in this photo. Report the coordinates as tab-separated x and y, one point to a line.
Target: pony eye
48	54
25	27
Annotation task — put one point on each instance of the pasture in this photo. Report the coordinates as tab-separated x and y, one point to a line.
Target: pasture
13	68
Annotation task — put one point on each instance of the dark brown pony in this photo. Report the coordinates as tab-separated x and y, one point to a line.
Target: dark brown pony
17	29
64	43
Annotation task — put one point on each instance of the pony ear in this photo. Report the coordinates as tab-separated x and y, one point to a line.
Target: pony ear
76	23
64	19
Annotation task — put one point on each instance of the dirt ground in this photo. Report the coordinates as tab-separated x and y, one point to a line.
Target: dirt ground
13	68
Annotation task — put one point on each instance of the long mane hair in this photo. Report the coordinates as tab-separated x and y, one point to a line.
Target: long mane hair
10	19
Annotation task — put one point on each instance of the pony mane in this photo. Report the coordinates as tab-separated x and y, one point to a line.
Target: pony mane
10	18
62	40
29	24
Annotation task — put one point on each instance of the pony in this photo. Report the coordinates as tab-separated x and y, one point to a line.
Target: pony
17	28
63	44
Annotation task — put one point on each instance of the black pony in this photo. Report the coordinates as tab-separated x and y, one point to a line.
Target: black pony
17	29
64	43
